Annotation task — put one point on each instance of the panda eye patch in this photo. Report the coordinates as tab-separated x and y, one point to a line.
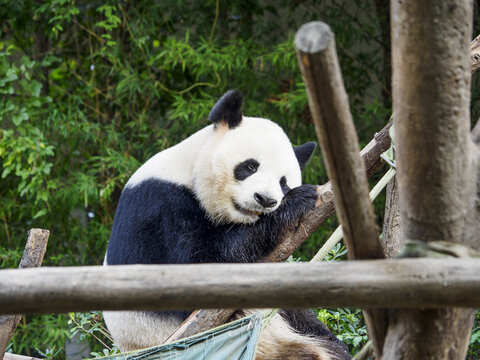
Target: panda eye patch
246	168
283	185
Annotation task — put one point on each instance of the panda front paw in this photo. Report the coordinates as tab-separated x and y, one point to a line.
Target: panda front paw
297	203
303	196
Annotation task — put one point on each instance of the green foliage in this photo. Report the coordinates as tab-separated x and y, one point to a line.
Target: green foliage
91	328
349	326
474	348
40	335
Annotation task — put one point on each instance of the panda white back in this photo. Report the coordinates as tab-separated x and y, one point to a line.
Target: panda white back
174	164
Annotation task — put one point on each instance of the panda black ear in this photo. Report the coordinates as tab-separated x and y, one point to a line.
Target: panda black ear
304	153
228	109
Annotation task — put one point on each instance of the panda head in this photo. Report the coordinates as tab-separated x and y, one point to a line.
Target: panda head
246	166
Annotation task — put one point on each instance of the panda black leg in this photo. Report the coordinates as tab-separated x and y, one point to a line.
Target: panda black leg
305	322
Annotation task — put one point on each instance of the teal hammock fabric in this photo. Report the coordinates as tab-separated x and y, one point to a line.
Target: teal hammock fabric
236	341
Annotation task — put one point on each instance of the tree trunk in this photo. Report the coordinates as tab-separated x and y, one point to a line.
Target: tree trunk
435	158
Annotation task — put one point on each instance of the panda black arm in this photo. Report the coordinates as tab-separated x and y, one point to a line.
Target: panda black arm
158	222
248	243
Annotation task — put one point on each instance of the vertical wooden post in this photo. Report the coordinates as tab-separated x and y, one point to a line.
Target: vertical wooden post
435	158
32	257
335	130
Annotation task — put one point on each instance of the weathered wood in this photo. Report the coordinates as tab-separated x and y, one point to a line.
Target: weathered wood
392	238
196	323
335	130
431	105
338	140
435	159
32	257
409	283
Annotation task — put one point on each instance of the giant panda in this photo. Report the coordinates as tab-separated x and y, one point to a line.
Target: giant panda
224	194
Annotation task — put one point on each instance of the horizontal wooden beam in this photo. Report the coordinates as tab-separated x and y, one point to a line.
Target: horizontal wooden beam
405	283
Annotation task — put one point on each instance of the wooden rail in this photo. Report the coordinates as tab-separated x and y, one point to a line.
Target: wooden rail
405	283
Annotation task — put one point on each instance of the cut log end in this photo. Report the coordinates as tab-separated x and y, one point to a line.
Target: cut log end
313	37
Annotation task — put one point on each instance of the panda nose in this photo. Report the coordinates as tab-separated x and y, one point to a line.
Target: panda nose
265	201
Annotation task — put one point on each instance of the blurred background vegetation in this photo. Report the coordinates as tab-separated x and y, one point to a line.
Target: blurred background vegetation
91	89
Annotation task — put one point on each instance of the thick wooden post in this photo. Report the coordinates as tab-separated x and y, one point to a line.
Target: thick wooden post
335	130
435	158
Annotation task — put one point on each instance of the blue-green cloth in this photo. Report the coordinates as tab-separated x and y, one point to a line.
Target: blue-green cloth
236	341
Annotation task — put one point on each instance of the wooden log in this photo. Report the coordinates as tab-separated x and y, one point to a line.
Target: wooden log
435	159
199	321
432	127
32	257
335	130
407	283
392	238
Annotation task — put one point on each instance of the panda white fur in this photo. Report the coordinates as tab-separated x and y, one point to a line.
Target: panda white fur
224	194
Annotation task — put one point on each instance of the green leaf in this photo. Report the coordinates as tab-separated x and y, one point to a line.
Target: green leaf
6	171
40	213
19	118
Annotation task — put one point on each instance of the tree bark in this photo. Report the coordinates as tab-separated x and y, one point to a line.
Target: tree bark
437	167
392	236
32	257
